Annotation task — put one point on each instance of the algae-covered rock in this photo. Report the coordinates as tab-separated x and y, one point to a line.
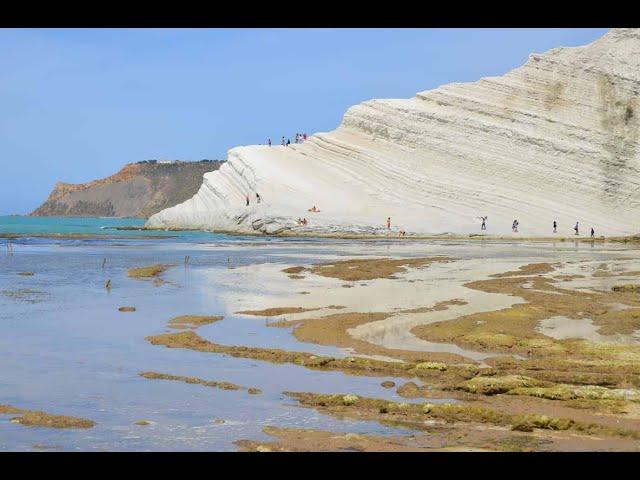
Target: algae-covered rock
572	392
349	399
409	390
528	422
431	366
496	385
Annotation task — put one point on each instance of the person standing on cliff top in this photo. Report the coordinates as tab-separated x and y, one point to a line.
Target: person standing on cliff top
288	142
576	228
282	141
304	136
269	142
555	227
388	223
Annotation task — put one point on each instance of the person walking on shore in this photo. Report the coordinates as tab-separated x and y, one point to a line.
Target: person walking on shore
593	233
388	223
555	227
576	228
484	223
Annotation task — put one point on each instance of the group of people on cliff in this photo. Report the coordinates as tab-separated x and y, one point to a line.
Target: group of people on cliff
300	137
516	224
402	233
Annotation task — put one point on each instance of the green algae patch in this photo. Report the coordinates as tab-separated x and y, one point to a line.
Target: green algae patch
431	366
294	270
35	418
350	365
193	321
372	268
148	272
496	385
572	392
530	269
414	415
191	380
516	329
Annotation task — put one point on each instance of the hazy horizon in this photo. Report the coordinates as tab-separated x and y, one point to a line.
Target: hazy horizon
78	104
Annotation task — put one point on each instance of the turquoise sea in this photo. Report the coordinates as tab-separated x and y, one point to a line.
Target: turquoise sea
103	226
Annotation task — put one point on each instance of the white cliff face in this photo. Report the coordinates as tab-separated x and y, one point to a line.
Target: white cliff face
556	139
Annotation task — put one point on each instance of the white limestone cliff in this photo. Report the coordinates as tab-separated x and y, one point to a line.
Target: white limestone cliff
556	139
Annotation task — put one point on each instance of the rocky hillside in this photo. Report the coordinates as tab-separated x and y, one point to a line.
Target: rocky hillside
555	139
138	190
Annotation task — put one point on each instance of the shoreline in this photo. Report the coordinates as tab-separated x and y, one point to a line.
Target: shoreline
356	236
333	236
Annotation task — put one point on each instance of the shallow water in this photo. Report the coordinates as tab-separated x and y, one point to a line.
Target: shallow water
67	349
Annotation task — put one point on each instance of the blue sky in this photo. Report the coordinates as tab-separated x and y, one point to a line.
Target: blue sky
77	104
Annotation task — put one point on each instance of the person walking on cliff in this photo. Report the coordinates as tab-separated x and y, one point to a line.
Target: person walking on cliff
484	223
555	227
247	199
576	228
